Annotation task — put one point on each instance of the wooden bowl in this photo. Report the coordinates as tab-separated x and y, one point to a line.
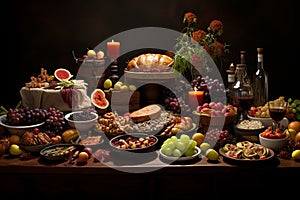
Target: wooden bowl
220	122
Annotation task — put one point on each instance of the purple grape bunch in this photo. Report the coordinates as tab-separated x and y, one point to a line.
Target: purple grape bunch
174	100
25	116
55	122
213	88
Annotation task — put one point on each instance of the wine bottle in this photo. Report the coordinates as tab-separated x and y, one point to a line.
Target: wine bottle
230	81
243	61
260	81
241	93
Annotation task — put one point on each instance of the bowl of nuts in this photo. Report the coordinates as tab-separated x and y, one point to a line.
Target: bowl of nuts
249	130
134	142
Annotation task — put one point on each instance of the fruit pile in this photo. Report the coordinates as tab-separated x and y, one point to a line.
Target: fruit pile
293	141
293	110
216	109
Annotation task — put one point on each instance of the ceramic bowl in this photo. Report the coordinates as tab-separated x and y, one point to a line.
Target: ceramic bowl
275	144
17	130
81	121
119	142
248	133
267	121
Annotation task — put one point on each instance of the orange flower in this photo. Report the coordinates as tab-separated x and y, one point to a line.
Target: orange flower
216	26
217	48
208	49
189	17
199	35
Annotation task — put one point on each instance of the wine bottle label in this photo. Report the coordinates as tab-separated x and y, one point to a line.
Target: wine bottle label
259	57
231	78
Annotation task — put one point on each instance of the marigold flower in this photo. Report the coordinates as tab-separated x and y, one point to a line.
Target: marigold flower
216	26
199	35
189	17
208	49
217	48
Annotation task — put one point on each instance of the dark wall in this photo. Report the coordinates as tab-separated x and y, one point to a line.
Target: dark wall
44	33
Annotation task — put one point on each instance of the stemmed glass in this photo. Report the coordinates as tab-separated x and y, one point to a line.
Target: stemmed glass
277	110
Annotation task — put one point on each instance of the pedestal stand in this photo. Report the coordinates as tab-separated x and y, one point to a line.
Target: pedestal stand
114	77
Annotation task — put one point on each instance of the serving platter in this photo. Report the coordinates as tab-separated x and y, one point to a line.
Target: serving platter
59	151
269	157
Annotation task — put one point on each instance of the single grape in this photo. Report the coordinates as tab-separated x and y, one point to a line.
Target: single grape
185	139
181	146
177	153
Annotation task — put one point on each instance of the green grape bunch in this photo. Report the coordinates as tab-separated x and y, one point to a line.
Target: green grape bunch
293	110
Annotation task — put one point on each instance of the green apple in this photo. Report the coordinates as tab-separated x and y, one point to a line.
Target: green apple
212	154
204	146
107	84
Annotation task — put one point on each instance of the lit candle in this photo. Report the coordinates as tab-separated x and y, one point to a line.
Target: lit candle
195	98
113	49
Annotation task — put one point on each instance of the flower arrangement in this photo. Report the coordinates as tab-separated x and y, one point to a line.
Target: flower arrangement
195	45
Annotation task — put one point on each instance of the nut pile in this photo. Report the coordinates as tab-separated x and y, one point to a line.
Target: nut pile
250	124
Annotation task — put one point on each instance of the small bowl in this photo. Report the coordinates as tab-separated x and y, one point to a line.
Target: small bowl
275	144
18	130
267	121
250	134
149	148
82	125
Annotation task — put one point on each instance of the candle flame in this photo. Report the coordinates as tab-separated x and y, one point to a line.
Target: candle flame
195	89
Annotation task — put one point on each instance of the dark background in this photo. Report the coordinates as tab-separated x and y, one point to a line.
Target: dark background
43	33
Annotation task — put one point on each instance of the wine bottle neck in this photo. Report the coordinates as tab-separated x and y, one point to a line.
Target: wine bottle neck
259	60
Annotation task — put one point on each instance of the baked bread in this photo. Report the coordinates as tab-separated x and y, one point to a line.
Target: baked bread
152	111
146	61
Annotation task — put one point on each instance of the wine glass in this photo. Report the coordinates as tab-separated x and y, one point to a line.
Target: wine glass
277	110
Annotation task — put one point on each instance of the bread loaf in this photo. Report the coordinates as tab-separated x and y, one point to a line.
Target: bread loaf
152	111
149	59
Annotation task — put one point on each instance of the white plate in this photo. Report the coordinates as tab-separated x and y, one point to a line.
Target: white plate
182	158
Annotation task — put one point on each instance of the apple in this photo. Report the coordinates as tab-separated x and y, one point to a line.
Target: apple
91	53
88	150
100	54
82	157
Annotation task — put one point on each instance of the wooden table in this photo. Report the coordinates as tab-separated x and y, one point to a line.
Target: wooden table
147	178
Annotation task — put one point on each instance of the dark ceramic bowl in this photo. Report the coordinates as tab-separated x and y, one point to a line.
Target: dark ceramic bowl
134	142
